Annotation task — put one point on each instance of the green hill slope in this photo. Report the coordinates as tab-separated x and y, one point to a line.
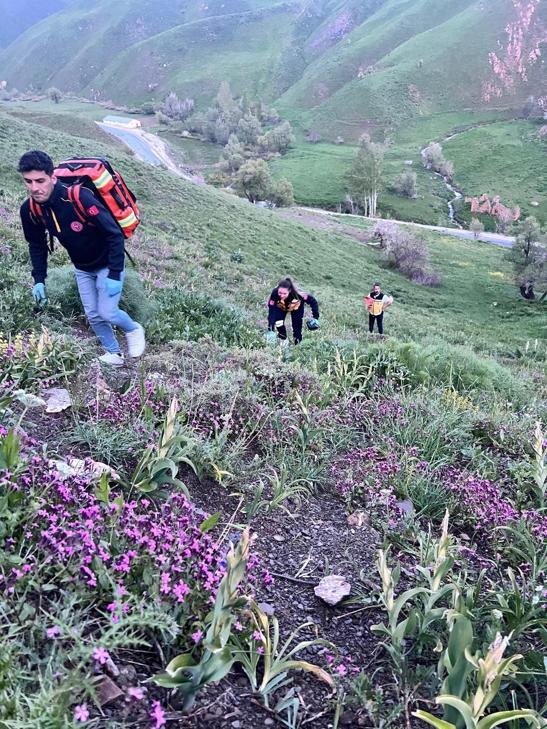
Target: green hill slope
338	66
409	60
207	232
117	513
196	56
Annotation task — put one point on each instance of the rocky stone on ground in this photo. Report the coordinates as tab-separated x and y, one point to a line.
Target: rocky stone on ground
332	589
57	399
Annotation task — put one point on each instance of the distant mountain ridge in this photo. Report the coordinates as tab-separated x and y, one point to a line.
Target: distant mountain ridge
22	14
338	67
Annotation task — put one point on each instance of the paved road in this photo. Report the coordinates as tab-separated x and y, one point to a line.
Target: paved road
151	149
138	144
505	241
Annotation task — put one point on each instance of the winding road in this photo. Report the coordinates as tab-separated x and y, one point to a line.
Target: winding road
149	148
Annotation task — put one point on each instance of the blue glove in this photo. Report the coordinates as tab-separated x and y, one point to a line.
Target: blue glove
39	294
271	337
112	287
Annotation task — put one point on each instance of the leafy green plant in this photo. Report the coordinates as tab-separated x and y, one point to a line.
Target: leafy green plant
262	648
351	374
104	441
159	465
453	664
289	704
191	315
27	359
281	489
488	672
419	605
218	657
540	467
372	700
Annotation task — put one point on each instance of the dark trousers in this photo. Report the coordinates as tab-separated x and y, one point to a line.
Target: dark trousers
379	321
297	318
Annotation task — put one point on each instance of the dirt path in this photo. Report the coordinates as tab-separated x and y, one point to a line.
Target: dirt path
323	221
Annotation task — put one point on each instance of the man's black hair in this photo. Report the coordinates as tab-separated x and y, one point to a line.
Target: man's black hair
36	160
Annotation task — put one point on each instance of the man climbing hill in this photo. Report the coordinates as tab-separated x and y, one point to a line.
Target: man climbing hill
377	302
95	244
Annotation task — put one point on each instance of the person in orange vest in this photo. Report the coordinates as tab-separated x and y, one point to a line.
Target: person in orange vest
377	302
287	299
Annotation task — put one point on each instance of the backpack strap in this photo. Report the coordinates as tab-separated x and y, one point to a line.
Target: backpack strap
37	214
74	197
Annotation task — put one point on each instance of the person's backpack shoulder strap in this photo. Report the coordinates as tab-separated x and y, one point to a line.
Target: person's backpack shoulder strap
74	197
36	214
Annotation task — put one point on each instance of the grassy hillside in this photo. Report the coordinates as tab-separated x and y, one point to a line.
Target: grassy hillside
337	67
365	78
308	461
270	245
506	159
194	57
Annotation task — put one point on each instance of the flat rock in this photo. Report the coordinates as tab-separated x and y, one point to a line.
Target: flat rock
108	691
57	399
89	467
332	589
266	608
406	507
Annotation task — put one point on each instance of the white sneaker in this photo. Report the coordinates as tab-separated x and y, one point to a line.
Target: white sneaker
114	359
135	341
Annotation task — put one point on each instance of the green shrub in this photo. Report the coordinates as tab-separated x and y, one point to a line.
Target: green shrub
15	300
64	297
456	366
112	443
190	315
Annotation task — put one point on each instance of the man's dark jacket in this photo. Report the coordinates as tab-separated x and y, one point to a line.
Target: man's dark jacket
93	244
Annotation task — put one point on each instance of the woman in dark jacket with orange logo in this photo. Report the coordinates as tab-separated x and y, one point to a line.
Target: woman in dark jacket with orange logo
286	298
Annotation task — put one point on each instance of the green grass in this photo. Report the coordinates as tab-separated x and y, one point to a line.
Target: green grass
202	228
401	60
193	151
317	174
71	116
490	152
207	261
506	159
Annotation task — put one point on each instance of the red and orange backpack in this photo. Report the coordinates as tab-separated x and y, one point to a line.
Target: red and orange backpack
97	174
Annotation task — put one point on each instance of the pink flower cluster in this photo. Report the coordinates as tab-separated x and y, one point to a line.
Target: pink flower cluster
484	503
367	477
138	546
122	406
364	477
